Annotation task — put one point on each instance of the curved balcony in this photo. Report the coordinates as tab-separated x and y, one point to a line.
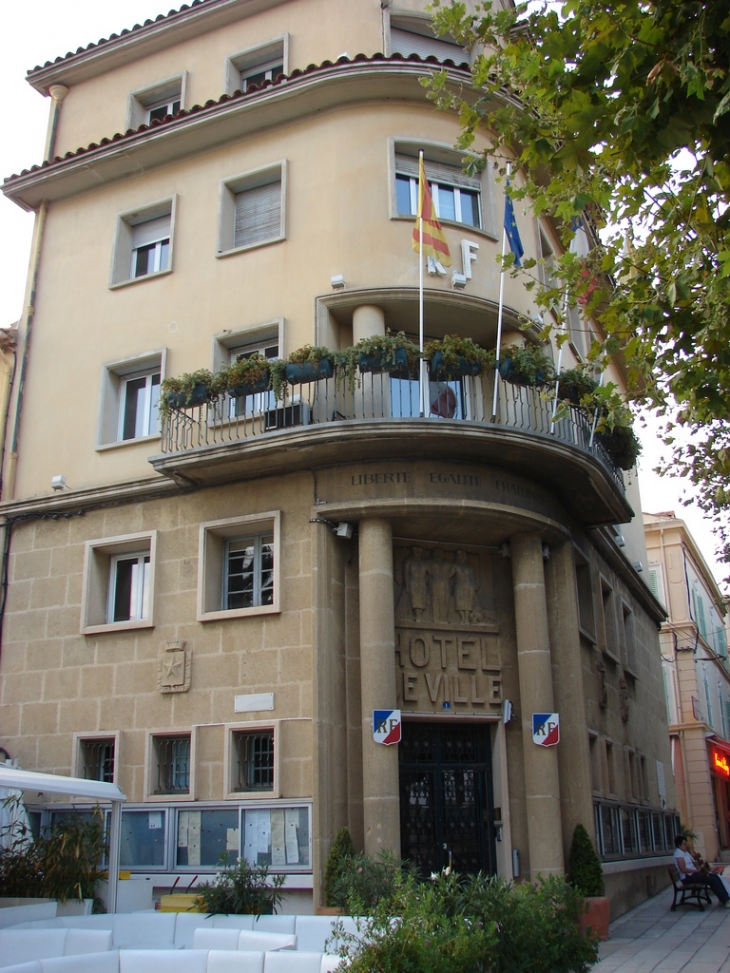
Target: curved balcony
324	423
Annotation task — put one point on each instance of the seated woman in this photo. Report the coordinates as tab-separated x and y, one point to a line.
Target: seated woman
692	875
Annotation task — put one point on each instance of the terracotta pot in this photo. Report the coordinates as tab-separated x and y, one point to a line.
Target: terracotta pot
596	915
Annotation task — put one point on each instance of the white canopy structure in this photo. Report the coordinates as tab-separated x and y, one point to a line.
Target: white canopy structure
99	790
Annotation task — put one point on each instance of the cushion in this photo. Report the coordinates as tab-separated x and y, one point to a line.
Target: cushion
313	932
287	961
87	941
163	961
216	938
286	924
107	962
233	922
185	925
32	966
226	961
21	945
329	963
144	930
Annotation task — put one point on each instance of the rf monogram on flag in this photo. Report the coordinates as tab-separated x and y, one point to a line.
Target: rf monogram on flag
546	729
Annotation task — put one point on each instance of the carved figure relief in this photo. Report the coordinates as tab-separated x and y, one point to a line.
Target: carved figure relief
442	588
174	667
623	697
602	686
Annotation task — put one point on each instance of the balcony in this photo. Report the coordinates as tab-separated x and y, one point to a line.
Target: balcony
323	423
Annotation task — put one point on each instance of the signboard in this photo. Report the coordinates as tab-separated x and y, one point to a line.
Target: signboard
386	726
545	729
720	763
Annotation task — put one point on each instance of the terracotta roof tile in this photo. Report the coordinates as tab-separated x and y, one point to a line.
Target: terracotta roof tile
252	91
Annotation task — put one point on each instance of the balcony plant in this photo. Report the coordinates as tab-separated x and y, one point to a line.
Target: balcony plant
452	357
585	874
310	364
392	353
188	390
526	365
576	386
242	889
247	375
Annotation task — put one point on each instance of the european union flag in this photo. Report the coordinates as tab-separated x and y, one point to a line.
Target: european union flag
513	234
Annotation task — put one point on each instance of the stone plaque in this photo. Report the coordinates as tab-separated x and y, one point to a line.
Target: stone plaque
174	667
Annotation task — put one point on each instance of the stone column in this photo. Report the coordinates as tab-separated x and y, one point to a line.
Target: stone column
542	785
367	321
381	806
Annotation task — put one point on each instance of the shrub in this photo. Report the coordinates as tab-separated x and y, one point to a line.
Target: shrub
364	883
241	889
341	852
585	872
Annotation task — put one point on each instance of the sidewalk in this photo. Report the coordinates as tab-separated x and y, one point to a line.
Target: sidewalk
651	939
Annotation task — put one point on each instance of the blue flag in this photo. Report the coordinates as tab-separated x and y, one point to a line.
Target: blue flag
510	228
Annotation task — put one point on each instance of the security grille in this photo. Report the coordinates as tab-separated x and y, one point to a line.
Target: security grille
173	765
97	760
254	761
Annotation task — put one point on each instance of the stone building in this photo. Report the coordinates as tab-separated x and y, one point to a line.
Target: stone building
696	679
210	616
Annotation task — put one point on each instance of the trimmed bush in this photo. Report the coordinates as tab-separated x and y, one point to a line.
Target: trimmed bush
585	872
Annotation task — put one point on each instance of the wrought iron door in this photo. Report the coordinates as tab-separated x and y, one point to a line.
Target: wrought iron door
446	797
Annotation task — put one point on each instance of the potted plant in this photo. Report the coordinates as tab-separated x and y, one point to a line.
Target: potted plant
241	889
247	375
188	390
310	364
526	365
392	353
576	386
452	357
622	445
585	874
341	854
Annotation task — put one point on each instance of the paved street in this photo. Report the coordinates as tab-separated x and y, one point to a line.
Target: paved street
651	939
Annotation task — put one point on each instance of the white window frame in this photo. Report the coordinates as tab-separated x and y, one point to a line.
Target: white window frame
139	594
230	759
100	556
150	772
230	189
147	99
212	563
253	60
441	157
80	739
124	255
115	376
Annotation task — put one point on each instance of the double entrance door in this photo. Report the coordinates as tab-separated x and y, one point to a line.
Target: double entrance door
446	797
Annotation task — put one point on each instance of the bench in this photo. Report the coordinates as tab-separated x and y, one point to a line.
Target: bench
696	895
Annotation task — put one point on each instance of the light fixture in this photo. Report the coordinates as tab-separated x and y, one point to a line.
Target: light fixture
338	282
458	280
344	529
58	482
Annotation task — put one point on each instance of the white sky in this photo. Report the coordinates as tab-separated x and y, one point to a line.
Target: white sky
35	31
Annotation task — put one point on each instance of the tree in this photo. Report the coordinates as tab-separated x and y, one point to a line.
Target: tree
617	113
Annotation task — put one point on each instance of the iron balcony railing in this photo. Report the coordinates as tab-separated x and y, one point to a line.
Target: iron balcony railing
381	397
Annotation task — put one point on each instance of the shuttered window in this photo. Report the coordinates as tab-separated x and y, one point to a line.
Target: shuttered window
407	42
258	214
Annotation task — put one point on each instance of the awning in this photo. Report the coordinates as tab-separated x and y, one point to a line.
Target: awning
31	780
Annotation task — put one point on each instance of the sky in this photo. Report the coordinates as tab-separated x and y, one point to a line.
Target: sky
36	31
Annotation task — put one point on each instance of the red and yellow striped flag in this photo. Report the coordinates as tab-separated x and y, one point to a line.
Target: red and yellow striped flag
434	242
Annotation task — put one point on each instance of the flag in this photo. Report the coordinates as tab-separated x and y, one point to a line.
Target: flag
434	241
510	229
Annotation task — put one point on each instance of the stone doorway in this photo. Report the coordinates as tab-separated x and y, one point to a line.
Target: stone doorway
446	811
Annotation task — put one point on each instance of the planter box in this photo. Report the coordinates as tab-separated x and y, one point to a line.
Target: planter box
596	916
439	369
179	400
509	373
180	902
75	907
382	362
298	373
249	388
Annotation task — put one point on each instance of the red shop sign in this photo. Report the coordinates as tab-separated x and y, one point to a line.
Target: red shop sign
720	763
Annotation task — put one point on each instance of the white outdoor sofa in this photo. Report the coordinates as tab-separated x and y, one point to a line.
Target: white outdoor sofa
181	961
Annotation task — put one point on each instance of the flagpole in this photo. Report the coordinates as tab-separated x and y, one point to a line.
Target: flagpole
499	314
421	255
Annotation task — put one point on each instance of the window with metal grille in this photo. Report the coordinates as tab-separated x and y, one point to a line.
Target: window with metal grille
253	761
172	765
97	760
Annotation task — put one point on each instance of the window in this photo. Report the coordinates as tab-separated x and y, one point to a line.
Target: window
207	837
414	35
609	621
258	64
144	839
610	769
253	760
656	582
95	758
584	586
595	758
170	765
252	209
143	245
456	196
629	638
259	401
277	837
239	567
118	583
155	102
130	398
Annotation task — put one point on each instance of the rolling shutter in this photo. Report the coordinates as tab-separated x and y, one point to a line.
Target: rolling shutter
258	214
440	172
407	42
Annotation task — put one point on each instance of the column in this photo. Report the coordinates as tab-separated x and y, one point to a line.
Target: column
367	321
381	806
542	785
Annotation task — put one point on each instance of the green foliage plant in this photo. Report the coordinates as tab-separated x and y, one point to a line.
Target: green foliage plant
385	346
364	882
472	924
341	852
184	385
241	889
531	365
585	872
576	386
310	354
618	115
454	348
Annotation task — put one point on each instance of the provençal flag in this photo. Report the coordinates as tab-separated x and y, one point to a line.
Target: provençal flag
434	242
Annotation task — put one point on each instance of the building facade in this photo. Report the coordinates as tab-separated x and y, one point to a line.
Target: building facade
210	612
696	679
